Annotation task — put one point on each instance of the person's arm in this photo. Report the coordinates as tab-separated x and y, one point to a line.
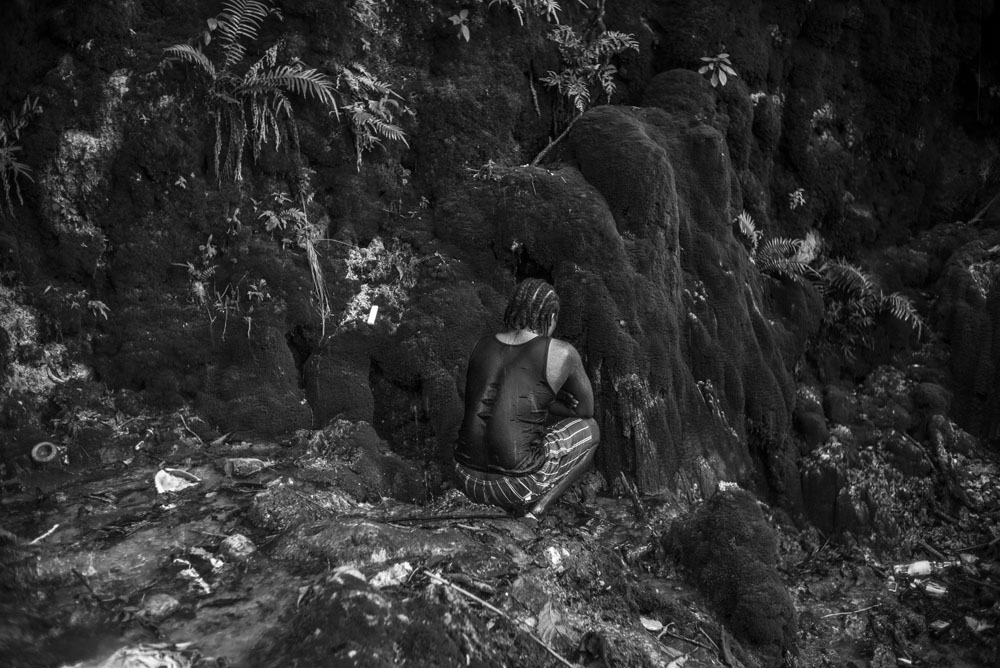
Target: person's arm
566	375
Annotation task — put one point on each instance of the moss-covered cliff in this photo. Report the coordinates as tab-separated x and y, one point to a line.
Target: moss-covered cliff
132	266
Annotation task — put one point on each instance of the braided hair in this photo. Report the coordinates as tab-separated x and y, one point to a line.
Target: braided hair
531	306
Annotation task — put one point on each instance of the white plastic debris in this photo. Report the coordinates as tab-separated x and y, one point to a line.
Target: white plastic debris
237	547
174	480
394	575
653	625
163	655
196	582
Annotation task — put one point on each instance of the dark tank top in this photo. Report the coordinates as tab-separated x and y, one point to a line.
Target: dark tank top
506	407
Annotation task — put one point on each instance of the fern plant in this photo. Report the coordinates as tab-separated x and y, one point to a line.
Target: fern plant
248	104
586	64
547	8
372	109
12	169
852	303
782	257
747	227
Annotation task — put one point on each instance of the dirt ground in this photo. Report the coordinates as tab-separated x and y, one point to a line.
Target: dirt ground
99	568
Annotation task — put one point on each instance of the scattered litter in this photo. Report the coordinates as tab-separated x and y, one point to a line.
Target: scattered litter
555	556
394	575
195	580
242	467
934	589
163	655
174	480
205	555
978	625
45	535
939	625
160	606
222	439
923	568
653	625
237	547
45	452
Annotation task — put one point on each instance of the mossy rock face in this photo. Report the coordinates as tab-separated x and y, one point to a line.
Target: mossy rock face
732	554
968	314
254	386
632	233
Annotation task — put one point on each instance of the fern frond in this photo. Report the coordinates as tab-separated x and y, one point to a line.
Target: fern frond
300	80
185	53
240	19
778	256
901	307
387	130
843	276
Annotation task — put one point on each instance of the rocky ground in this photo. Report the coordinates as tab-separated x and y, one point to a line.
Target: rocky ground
284	553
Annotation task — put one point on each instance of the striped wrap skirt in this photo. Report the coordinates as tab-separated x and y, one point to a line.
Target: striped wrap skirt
566	443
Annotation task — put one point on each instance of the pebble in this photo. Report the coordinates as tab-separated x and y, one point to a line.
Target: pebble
160	606
237	547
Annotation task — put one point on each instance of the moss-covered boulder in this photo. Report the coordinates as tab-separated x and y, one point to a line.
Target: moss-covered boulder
732	554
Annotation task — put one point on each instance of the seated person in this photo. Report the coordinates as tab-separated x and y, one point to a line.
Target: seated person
528	431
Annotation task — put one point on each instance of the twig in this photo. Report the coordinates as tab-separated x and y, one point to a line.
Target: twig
45	535
980	545
640	512
192	432
929	548
548	648
709	638
545	151
440	518
534	94
849	612
985	209
86	583
691	641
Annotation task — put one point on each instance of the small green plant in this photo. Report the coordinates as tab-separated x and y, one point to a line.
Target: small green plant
372	109
548	8
11	169
782	257
586	65
460	20
796	199
249	104
852	302
746	226
717	68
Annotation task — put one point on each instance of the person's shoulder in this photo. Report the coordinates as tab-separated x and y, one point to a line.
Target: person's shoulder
563	349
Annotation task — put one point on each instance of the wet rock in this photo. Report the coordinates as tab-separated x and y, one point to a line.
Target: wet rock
838	405
732	554
932	398
812	427
243	467
366	544
824	472
907	455
352	456
287	503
